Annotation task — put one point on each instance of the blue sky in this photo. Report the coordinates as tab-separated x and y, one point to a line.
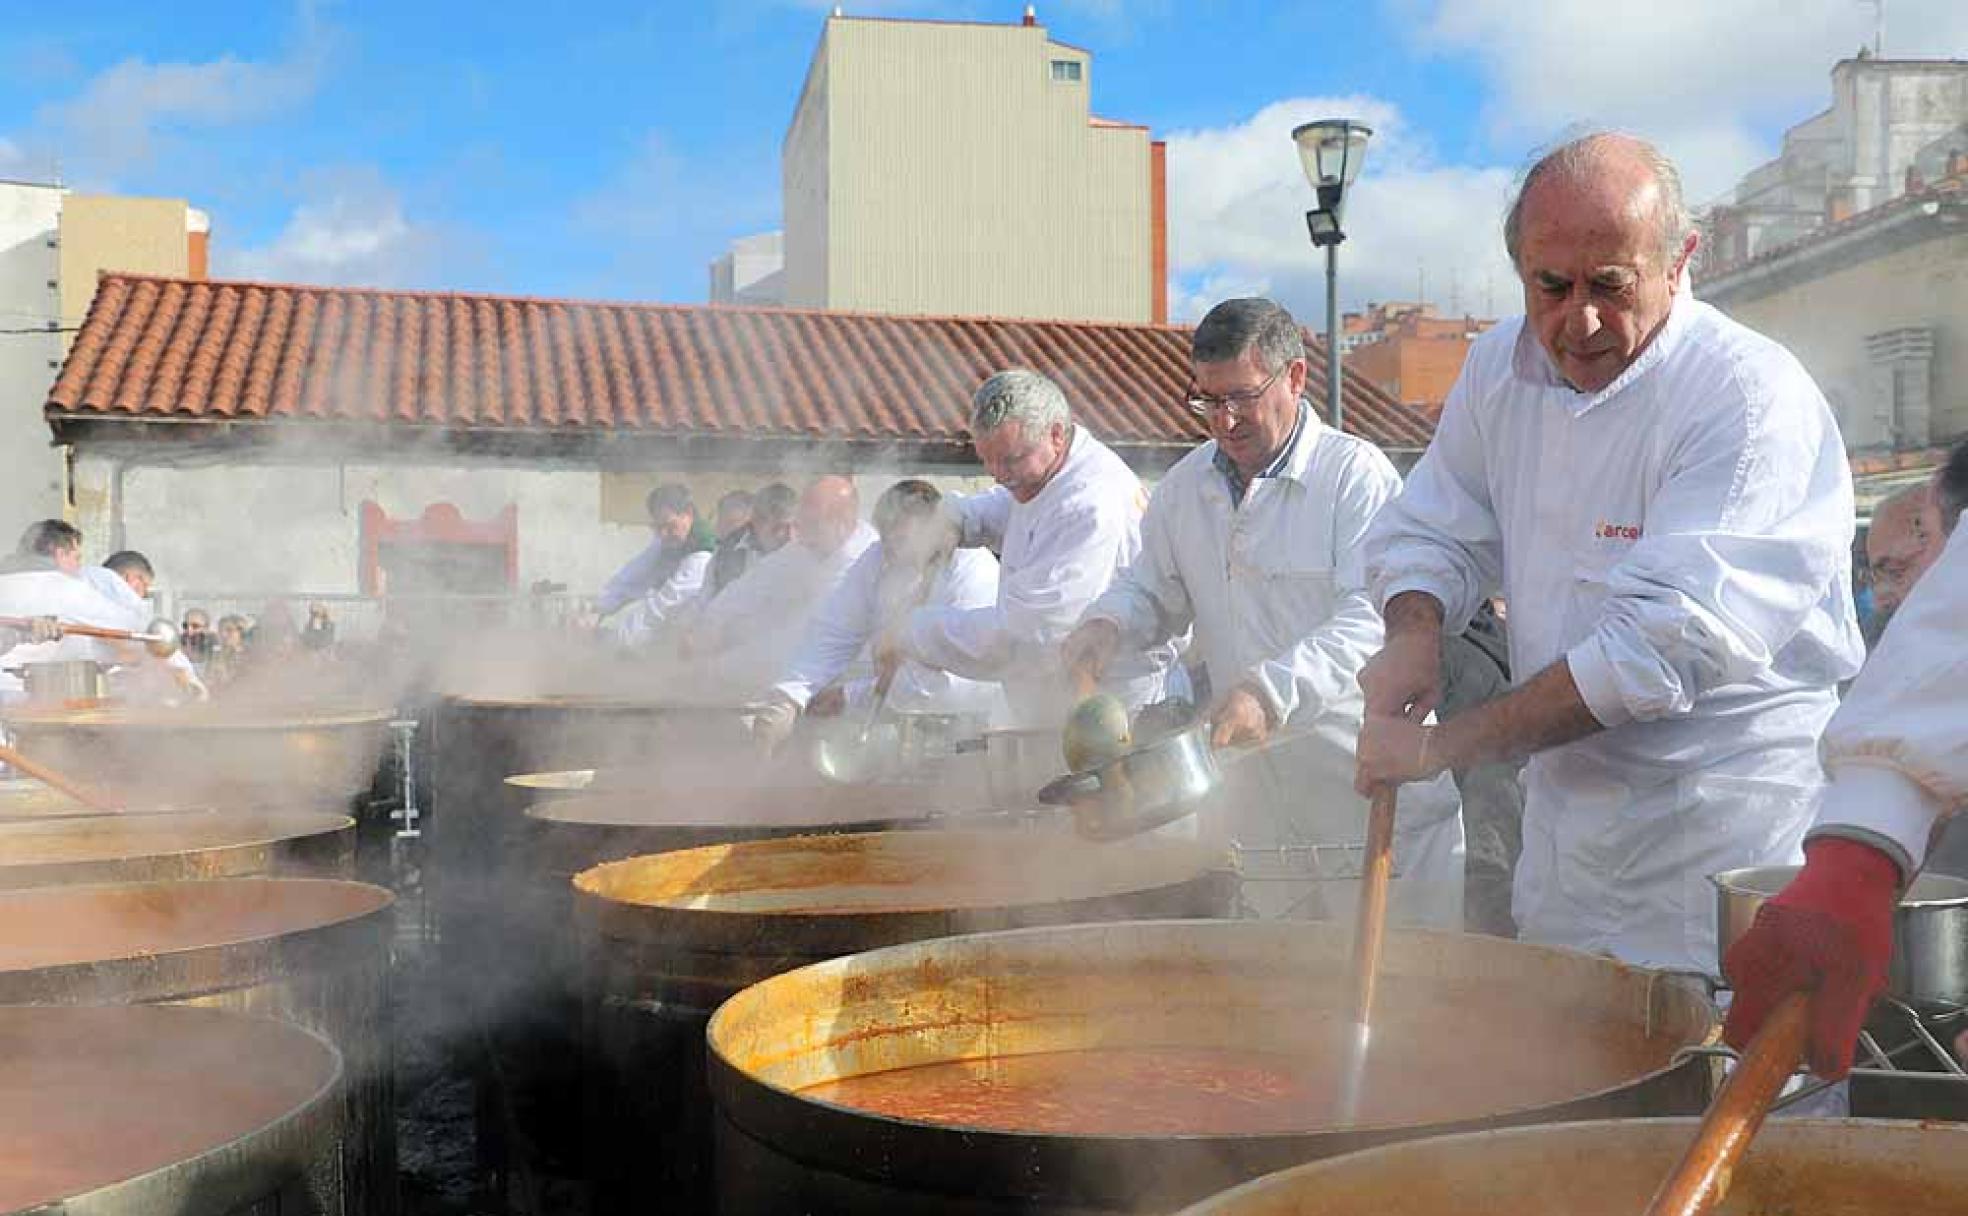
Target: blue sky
612	149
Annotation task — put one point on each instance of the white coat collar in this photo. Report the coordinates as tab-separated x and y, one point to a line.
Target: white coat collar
1532	364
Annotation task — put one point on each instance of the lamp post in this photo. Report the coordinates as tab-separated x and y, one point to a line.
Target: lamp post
1330	150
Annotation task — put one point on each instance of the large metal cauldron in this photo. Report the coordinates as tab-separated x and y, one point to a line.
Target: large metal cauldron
191	844
1852	1167
671	937
113	1111
529	984
1470	1032
314	952
259	756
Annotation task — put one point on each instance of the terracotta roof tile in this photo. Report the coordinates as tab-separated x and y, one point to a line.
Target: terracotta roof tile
157	348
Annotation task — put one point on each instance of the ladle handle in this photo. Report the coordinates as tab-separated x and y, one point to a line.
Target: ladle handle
47	776
84	631
1370	925
1701	1179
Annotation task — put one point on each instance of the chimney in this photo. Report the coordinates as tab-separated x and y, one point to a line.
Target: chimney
1031	15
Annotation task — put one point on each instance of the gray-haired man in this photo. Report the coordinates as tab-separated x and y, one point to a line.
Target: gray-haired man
1064	516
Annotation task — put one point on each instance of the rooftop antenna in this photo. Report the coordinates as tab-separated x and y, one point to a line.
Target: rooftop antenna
1421	281
1878	27
1455	291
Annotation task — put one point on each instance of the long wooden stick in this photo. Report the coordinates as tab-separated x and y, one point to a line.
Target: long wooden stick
1369	928
86	631
1701	1178
42	773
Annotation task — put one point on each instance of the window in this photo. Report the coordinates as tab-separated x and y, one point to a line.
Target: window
1066	71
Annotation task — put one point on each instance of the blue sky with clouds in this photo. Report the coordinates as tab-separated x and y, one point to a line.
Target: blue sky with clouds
612	149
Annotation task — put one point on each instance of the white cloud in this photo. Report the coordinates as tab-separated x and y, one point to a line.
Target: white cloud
12	158
660	205
126	115
350	229
1237	202
1700	77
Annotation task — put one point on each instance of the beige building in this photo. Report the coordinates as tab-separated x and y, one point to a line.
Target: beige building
956	168
53	244
1876	307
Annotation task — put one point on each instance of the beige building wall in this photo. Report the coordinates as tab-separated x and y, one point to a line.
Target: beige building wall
134	235
942	168
1825	321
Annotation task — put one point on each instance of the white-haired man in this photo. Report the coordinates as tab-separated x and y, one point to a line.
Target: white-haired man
1063	518
1253	538
1663	497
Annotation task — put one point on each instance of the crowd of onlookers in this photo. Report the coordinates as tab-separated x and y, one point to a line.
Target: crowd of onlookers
224	650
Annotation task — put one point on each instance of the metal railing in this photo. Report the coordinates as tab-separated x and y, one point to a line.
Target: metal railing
360	618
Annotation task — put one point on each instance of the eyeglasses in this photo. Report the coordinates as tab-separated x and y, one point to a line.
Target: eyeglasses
1235	403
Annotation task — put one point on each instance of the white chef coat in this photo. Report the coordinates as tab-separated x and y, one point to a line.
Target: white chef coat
1275	588
747	632
651	613
1897	751
146	681
1055	554
870	595
1682	539
64	596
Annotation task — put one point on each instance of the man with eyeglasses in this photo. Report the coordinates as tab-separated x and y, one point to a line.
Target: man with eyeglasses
1253	539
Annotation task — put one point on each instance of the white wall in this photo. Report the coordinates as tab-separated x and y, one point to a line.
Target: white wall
30	469
296	529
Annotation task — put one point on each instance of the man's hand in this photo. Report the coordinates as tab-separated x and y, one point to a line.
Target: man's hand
1240	719
829	702
890	650
1405	678
1829	933
1393	751
1088	650
44	629
773	724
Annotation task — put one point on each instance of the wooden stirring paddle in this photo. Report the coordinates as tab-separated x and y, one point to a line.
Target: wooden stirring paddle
1701	1178
1369	927
47	776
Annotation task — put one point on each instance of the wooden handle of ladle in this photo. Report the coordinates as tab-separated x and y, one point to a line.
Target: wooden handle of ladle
1701	1179
1370	925
47	776
84	631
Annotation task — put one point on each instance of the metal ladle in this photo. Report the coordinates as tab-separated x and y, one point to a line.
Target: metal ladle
854	758
160	637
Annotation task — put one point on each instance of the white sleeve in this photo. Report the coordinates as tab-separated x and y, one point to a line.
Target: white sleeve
840	627
1324	666
1069	563
1148	601
683	586
1440	534
1897	750
984	517
1739	544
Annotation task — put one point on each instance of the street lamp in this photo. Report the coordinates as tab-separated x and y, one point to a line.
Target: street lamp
1330	151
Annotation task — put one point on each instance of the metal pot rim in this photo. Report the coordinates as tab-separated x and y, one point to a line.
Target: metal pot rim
1738	882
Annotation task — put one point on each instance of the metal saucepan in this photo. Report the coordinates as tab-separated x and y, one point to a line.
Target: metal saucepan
1930	930
63	682
1152	785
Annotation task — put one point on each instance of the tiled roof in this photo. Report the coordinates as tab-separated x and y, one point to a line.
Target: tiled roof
155	349
1949	190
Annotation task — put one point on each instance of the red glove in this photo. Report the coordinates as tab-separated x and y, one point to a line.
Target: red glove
1830	932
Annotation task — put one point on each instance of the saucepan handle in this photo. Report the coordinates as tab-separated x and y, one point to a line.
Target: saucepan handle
1065	791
